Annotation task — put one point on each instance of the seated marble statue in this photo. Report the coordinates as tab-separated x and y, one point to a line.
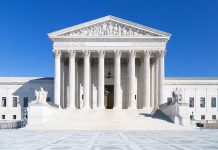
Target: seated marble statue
41	96
177	95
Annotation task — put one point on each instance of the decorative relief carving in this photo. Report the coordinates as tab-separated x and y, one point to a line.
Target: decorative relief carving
101	53
72	53
57	53
117	53
108	28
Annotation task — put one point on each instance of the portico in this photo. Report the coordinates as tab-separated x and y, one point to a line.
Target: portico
133	55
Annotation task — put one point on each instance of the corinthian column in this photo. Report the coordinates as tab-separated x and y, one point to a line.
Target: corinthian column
86	80
117	86
146	99
57	77
157	82
132	100
101	55
71	100
161	77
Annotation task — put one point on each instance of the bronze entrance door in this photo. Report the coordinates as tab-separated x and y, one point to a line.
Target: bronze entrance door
109	96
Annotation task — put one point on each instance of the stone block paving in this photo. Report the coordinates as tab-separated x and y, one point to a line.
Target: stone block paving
108	140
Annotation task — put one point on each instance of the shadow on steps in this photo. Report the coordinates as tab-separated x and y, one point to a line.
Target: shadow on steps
157	115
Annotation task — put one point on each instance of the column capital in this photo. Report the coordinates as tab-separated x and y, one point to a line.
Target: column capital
161	53
147	53
117	53
86	53
101	53
157	60
132	53
72	53
57	53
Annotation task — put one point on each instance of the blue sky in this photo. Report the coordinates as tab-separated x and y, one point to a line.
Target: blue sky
25	49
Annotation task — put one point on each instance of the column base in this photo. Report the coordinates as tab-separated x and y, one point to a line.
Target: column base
132	108
117	107
71	107
102	107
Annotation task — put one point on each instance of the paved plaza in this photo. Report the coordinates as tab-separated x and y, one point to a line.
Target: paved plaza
108	140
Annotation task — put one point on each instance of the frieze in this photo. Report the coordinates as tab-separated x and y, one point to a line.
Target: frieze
130	44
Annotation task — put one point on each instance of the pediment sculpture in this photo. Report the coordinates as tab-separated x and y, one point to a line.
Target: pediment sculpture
41	96
108	28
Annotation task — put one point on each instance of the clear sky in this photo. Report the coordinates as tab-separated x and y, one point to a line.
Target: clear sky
25	49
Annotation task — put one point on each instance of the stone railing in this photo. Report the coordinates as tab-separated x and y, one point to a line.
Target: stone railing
12	124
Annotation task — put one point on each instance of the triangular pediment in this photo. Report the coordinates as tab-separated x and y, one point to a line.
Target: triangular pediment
109	26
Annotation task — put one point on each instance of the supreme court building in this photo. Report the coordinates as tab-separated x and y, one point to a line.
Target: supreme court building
109	63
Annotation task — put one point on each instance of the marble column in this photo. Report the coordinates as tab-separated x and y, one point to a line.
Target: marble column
156	82
86	80
101	56
71	100
117	81
57	77
152	83
132	100
146	99
161	77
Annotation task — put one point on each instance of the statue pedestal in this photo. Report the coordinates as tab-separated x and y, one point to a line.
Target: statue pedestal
182	116
39	113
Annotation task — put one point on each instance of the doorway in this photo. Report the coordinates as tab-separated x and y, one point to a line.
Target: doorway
109	96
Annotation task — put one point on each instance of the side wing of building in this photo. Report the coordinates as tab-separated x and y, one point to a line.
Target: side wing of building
17	92
200	93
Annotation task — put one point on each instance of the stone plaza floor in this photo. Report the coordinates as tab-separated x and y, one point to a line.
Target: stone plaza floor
108	140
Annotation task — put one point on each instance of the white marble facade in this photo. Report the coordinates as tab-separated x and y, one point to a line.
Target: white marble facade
86	53
134	56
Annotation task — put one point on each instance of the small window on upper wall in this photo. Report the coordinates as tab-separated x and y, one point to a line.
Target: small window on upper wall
3	117
213	101
191	102
14	101
14	117
4	103
202	102
214	117
25	102
202	117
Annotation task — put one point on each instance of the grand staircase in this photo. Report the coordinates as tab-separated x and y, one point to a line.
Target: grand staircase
109	119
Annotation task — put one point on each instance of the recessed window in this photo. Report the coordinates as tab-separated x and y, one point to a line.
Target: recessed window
214	117
25	117
14	117
25	102
169	99
202	102
48	99
213	101
4	99
202	117
3	117
191	102
14	101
